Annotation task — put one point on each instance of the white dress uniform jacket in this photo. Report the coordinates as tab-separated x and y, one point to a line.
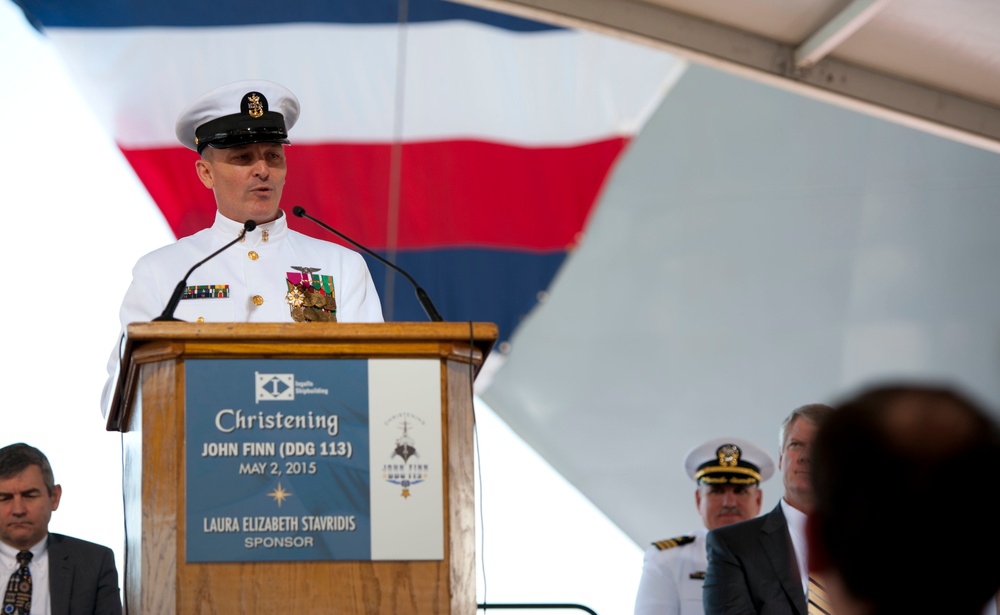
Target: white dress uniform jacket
672	579
255	271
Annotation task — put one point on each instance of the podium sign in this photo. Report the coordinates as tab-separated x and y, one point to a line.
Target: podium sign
308	459
333	460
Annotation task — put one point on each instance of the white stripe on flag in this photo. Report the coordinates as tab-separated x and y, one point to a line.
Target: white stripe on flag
463	80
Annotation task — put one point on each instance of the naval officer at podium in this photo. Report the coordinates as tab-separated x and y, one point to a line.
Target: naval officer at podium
274	274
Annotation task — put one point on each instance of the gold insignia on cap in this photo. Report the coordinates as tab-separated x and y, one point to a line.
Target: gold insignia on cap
254	106
728	467
729	455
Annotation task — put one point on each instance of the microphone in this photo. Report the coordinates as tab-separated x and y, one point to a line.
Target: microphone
168	312
422	296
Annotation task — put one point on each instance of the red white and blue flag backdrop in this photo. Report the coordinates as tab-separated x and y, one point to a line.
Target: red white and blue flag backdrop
467	146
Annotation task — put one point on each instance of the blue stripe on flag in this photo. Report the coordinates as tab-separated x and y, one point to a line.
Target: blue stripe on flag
465	284
199	13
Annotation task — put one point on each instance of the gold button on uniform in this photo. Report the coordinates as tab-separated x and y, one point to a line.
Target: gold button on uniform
258	300
253	255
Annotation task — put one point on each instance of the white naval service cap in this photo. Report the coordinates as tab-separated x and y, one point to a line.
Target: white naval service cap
252	111
728	460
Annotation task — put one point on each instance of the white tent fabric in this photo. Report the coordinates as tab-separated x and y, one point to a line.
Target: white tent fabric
932	64
754	251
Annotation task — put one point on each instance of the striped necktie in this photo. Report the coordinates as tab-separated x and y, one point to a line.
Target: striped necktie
819	603
17	599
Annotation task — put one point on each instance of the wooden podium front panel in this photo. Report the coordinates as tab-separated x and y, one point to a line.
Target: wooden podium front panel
159	580
154	492
460	529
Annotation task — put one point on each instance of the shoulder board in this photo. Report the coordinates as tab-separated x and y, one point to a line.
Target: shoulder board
670	543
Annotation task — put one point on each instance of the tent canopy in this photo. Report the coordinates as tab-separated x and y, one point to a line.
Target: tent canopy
932	64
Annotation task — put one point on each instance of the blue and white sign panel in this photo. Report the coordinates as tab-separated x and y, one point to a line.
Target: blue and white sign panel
314	459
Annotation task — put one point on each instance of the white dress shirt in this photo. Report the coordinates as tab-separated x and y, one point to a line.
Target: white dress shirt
796	520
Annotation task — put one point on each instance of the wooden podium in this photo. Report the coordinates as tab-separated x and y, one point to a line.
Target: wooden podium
149	408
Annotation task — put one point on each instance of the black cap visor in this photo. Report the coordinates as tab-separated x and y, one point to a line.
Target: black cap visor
239	129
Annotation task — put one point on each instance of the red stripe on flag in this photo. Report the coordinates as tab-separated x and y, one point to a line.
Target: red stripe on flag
453	193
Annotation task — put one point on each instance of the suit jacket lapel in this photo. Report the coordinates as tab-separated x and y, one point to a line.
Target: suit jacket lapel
60	575
777	545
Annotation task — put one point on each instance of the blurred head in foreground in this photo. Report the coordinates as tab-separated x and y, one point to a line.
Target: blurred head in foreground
901	522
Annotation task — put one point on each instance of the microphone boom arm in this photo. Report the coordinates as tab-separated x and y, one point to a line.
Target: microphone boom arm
175	298
422	296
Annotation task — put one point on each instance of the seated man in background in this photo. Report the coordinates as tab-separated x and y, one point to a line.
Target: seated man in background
899	524
48	573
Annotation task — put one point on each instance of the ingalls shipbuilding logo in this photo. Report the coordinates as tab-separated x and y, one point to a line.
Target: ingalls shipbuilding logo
275	387
283	387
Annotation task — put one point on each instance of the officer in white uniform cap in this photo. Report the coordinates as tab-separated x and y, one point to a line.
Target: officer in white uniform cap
274	274
728	473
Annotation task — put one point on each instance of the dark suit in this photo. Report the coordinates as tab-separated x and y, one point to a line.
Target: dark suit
752	569
82	578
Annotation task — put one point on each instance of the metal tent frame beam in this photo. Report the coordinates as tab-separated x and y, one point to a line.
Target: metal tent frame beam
919	106
837	30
